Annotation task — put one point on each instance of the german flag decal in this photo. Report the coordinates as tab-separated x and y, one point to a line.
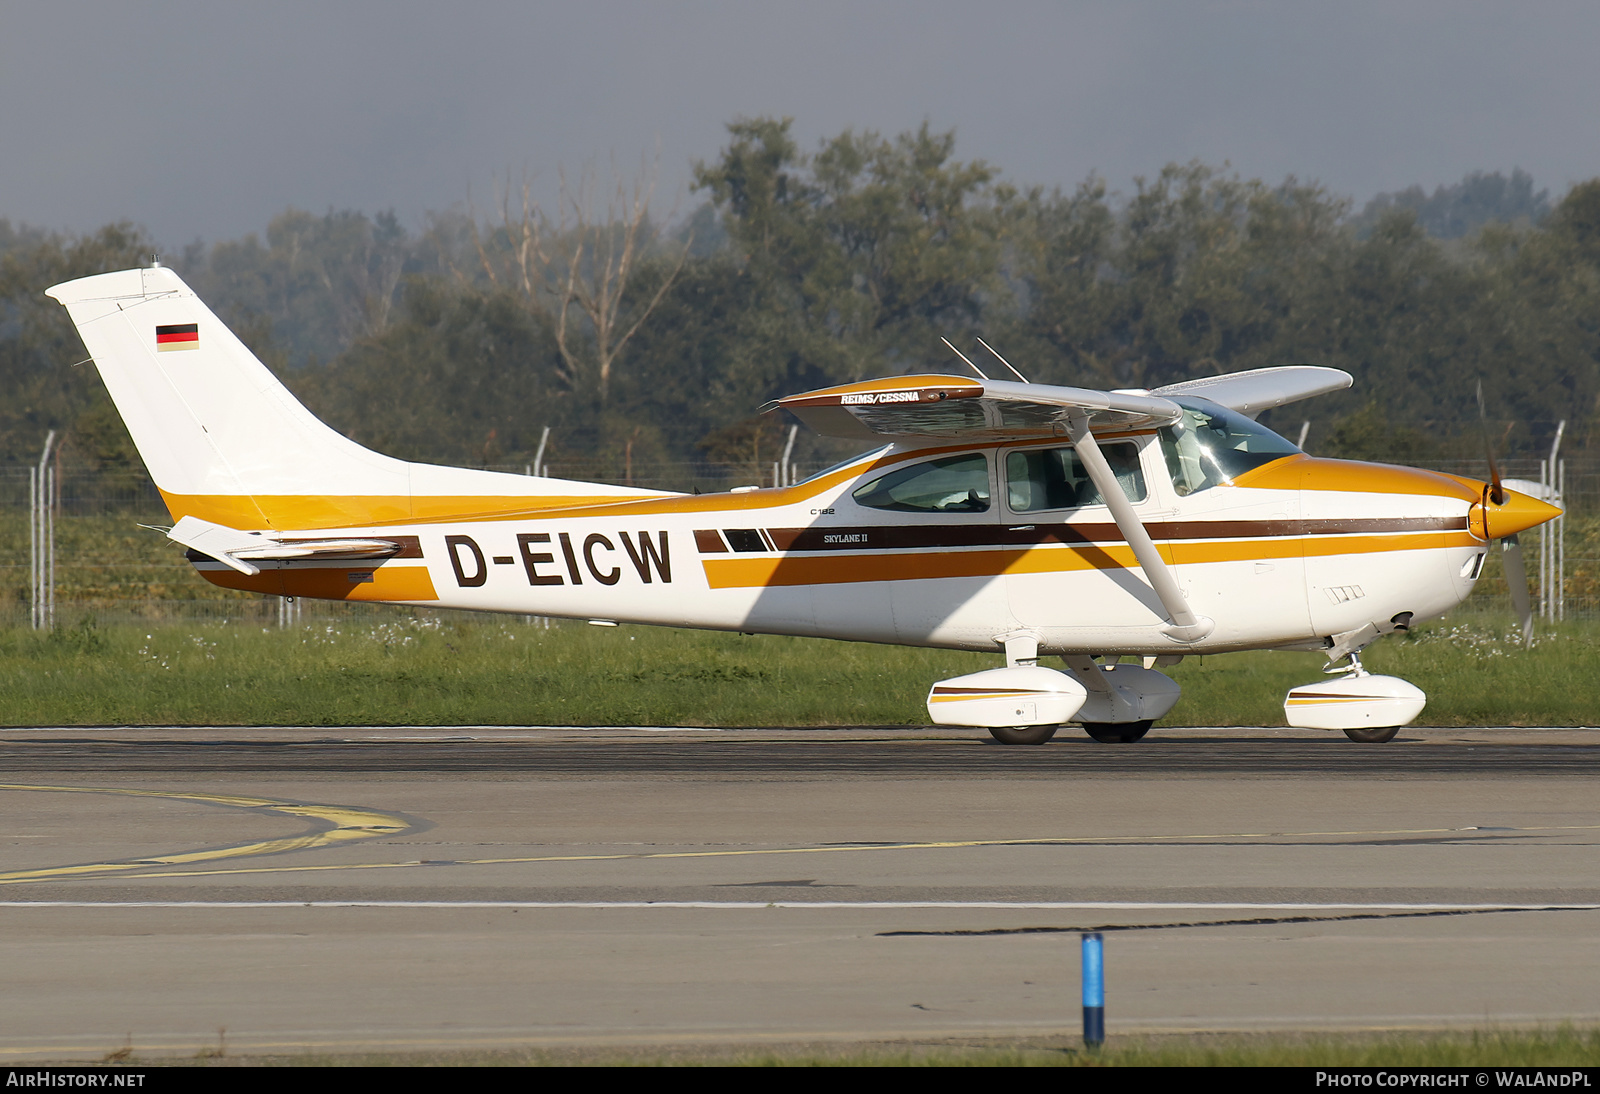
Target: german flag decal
178	336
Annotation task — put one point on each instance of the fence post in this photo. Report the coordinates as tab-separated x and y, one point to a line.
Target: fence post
1547	481
33	548
42	538
1561	542
50	542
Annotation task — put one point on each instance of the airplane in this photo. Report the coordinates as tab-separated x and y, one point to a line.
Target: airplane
1120	531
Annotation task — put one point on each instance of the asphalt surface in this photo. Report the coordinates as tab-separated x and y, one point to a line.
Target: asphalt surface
400	888
884	751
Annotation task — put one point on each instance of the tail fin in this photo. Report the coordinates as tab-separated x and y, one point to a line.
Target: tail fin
226	442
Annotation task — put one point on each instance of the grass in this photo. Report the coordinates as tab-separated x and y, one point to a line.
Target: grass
1563	1047
397	667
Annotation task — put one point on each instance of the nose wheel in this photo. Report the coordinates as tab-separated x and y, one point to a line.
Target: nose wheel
1375	736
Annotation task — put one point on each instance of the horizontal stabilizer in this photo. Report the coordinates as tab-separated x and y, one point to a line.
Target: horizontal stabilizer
239	550
217	541
285	550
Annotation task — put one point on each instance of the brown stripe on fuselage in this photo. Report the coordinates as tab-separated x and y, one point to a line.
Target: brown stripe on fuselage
940	689
827	568
897	537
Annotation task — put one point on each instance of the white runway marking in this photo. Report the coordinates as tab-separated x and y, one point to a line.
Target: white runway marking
833	905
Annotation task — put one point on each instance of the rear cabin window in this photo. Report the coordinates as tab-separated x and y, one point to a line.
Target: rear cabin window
1054	478
956	484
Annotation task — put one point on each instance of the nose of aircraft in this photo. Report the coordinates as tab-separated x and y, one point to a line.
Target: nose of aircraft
1515	514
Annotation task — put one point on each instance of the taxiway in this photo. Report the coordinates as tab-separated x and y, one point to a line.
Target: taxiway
344	889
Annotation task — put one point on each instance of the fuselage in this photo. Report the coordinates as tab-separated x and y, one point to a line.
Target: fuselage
1281	556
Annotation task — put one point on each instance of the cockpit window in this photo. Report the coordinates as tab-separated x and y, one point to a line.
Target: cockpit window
1054	478
955	484
1213	445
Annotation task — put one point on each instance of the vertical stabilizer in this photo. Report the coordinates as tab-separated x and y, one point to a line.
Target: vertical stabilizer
226	442
210	420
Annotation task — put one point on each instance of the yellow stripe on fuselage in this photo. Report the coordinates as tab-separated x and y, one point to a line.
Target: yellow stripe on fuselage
293	512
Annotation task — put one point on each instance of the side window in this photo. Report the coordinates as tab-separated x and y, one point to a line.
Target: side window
1054	478
956	484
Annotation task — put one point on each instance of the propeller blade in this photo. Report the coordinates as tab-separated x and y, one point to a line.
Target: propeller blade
1497	492
1517	582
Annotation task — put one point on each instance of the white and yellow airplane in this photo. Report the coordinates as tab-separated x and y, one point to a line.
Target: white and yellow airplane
1002	516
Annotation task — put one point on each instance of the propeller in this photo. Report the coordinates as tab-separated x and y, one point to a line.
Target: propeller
1497	492
1517	582
1510	547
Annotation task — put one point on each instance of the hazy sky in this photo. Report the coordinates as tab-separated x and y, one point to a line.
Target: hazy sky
206	119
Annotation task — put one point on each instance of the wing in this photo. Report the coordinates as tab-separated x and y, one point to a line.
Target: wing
1264	388
956	407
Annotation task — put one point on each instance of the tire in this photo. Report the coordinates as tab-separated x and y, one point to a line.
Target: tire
1117	733
1375	736
1022	735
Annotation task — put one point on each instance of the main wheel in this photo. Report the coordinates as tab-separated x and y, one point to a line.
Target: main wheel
1115	733
1022	735
1374	736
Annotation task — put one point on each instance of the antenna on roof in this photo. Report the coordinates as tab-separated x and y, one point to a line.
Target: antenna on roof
964	357
1002	360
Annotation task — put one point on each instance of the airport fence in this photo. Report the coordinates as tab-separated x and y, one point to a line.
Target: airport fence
111	561
108	565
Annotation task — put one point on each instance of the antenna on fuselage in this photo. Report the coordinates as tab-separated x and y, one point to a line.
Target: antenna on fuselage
964	357
1002	360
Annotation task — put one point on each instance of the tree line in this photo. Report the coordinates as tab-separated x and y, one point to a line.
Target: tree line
640	341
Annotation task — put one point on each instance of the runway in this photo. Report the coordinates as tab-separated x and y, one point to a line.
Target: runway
883	751
344	889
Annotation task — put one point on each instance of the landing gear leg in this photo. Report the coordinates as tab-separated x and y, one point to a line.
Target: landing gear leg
1123	700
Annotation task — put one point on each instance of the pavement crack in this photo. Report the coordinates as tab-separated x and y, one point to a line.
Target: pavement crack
1254	921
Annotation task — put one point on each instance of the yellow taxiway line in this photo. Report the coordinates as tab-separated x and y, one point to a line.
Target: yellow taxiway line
336	824
348	823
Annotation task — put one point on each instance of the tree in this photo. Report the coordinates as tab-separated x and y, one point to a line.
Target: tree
461	375
46	381
317	284
1200	272
1452	212
578	271
869	249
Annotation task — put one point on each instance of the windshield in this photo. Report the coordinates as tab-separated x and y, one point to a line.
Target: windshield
1212	444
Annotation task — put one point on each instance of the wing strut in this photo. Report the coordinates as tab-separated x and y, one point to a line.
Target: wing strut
1185	626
